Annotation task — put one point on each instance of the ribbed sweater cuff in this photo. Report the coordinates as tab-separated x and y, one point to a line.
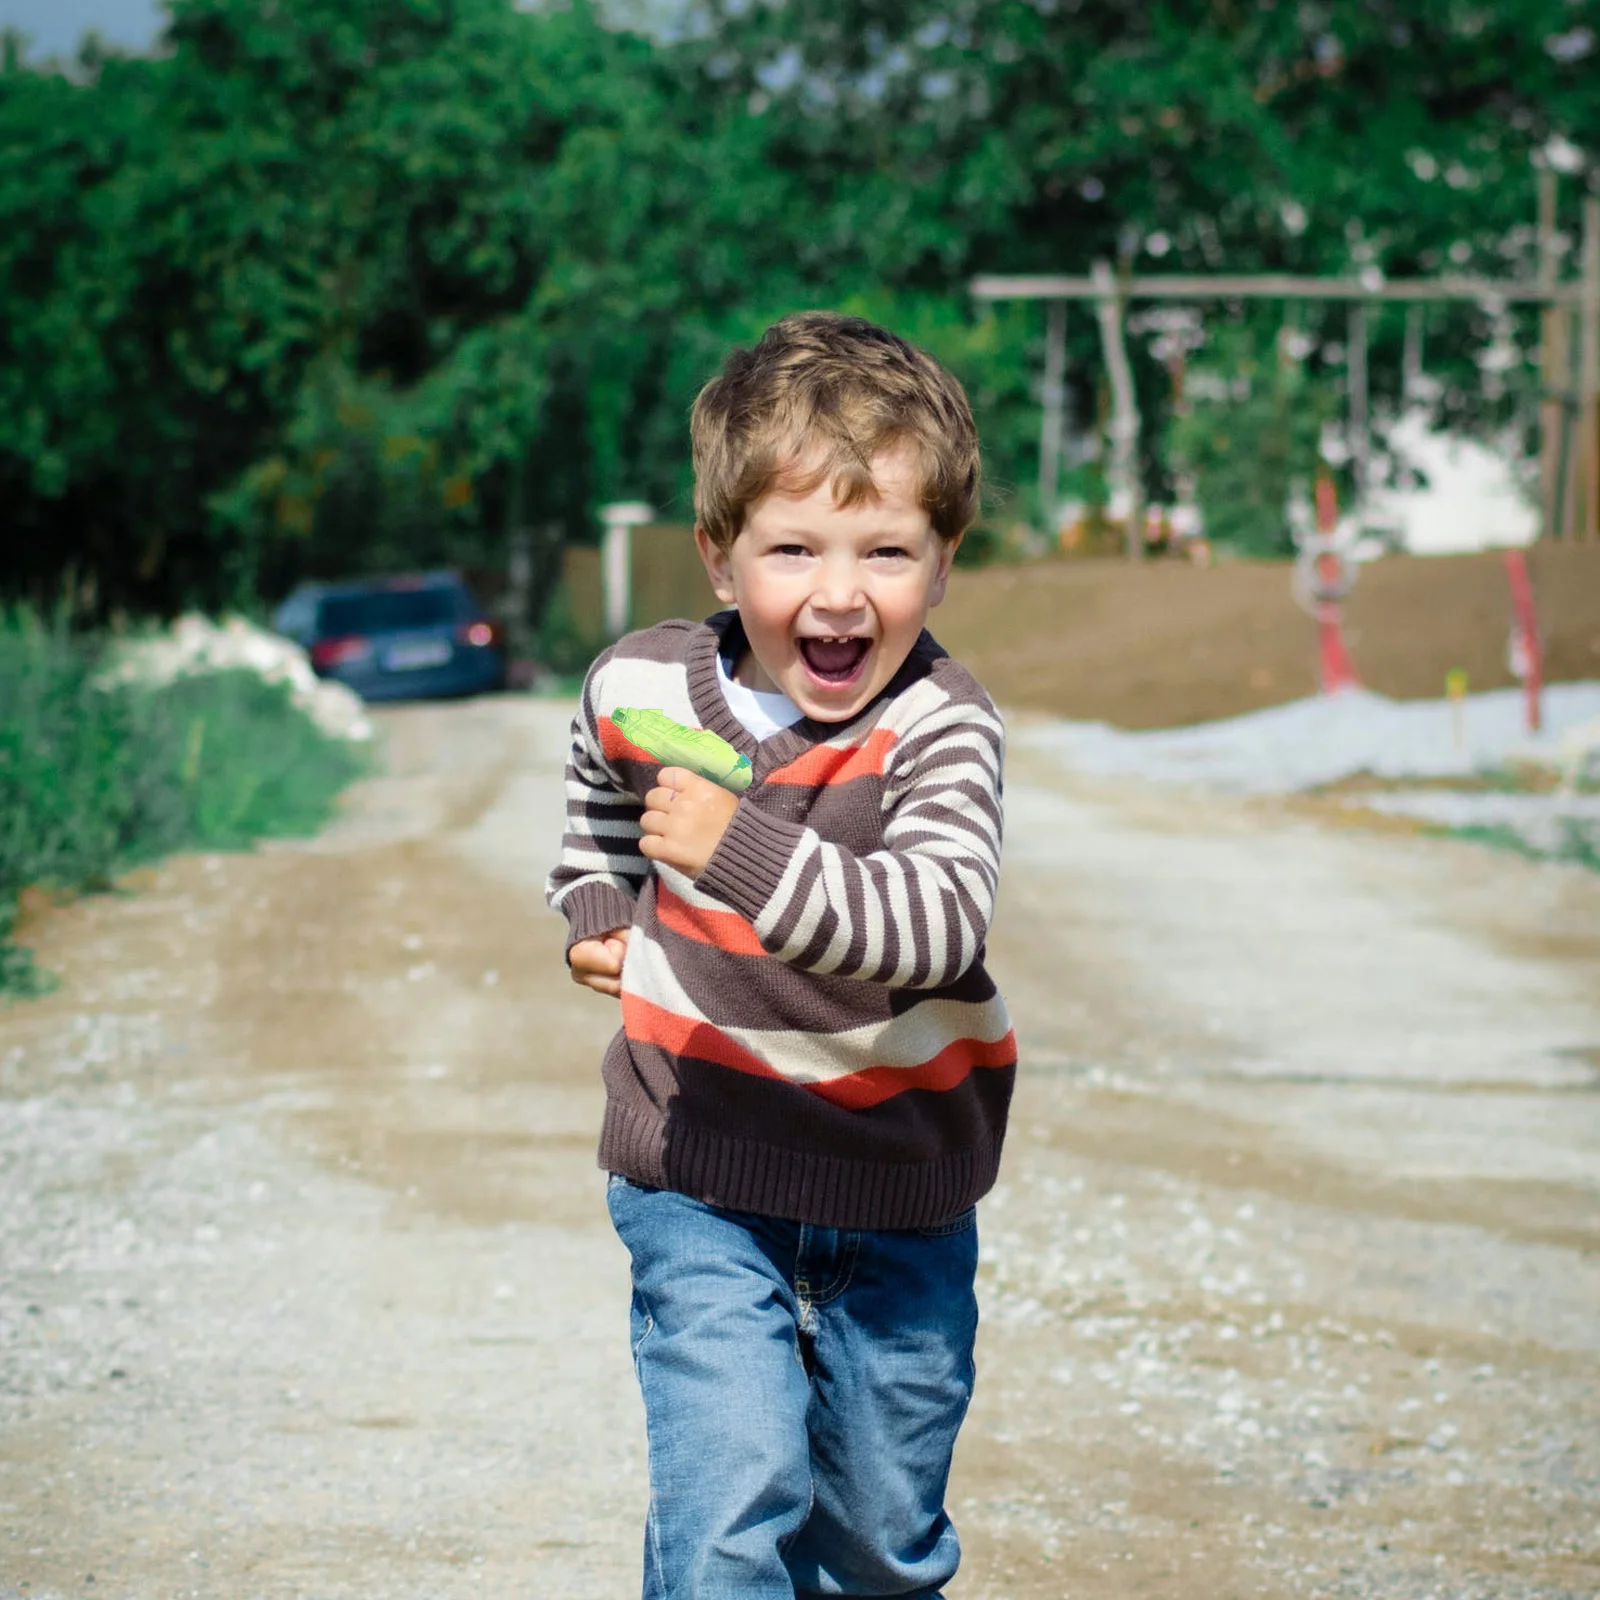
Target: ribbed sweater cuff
749	862
593	909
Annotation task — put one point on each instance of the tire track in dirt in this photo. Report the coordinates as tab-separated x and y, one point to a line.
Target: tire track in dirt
1322	1332
323	1085
1252	1325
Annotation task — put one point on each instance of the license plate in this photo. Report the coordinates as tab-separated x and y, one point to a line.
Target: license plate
408	657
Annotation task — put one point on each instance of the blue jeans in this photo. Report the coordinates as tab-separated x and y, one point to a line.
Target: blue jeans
802	1388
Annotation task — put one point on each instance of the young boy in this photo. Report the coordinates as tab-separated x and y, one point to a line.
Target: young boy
809	1089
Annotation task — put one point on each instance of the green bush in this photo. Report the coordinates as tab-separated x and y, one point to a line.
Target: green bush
1250	431
981	546
560	644
96	778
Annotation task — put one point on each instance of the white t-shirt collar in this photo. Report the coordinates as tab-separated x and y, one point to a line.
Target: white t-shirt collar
761	712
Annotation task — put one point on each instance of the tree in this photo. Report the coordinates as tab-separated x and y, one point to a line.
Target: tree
342	283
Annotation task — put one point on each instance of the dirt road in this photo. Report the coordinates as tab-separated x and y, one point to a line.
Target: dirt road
1291	1284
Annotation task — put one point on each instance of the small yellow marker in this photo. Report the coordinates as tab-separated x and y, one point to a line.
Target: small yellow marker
1455	685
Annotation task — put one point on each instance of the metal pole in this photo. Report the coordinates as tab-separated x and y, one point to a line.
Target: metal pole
1356	369
1055	395
1553	338
519	588
1411	380
1589	370
1271	286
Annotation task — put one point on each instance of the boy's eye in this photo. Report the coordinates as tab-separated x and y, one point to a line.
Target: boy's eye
888	551
789	550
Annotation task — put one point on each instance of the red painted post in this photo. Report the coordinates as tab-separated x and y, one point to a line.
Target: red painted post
1330	580
1327	502
1338	671
1525	638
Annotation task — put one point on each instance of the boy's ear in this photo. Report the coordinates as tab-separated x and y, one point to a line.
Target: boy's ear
719	569
941	573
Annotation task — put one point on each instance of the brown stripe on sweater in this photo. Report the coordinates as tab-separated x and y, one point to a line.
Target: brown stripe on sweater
921	931
822	936
856	907
732	990
787	1116
810	1183
789	920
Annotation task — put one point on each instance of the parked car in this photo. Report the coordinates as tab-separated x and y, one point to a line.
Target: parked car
419	636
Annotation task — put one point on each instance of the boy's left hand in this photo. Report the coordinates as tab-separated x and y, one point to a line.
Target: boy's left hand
684	820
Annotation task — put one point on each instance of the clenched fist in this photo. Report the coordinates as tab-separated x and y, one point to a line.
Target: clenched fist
597	963
684	820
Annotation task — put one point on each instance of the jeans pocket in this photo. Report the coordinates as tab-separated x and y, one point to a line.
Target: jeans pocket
960	1223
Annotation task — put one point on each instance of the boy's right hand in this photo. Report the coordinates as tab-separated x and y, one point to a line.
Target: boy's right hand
597	963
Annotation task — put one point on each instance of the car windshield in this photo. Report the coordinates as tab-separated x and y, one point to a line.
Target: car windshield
389	610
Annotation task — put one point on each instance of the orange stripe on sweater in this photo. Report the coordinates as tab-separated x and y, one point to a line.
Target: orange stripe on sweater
826	764
727	930
856	1091
944	1071
618	747
685	1036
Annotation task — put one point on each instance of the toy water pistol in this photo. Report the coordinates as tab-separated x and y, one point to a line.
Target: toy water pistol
673	745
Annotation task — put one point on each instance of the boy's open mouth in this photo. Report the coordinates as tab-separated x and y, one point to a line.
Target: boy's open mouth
834	661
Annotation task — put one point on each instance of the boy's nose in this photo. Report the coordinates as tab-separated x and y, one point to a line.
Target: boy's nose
839	590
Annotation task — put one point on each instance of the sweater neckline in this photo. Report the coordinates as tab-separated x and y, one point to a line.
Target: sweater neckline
723	633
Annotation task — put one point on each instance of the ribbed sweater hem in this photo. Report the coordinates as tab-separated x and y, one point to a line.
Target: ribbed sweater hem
750	860
802	1186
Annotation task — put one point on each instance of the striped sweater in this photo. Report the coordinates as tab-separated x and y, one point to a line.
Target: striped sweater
808	1030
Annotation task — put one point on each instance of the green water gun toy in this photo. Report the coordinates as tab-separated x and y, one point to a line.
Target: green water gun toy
673	745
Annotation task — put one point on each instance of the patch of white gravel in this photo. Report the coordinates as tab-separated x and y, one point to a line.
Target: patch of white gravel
1546	821
1318	741
195	644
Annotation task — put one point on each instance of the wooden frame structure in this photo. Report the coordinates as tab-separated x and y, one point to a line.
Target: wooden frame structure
1570	397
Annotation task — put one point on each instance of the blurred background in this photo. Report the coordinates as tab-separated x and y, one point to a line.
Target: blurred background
346	354
311	290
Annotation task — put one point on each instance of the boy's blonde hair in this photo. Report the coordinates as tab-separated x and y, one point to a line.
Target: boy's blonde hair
817	400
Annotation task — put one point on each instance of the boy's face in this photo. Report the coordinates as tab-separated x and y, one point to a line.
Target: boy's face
833	597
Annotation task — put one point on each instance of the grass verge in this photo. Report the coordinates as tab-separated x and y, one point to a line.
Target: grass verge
95	779
1577	843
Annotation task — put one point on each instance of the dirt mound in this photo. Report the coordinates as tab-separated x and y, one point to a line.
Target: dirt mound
1166	644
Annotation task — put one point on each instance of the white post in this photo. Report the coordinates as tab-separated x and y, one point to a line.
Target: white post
616	556
1055	373
1124	474
616	561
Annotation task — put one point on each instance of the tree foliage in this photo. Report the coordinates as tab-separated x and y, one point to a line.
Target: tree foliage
1248	436
333	284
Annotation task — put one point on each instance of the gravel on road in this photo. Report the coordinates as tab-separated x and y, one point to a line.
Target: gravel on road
1291	1284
